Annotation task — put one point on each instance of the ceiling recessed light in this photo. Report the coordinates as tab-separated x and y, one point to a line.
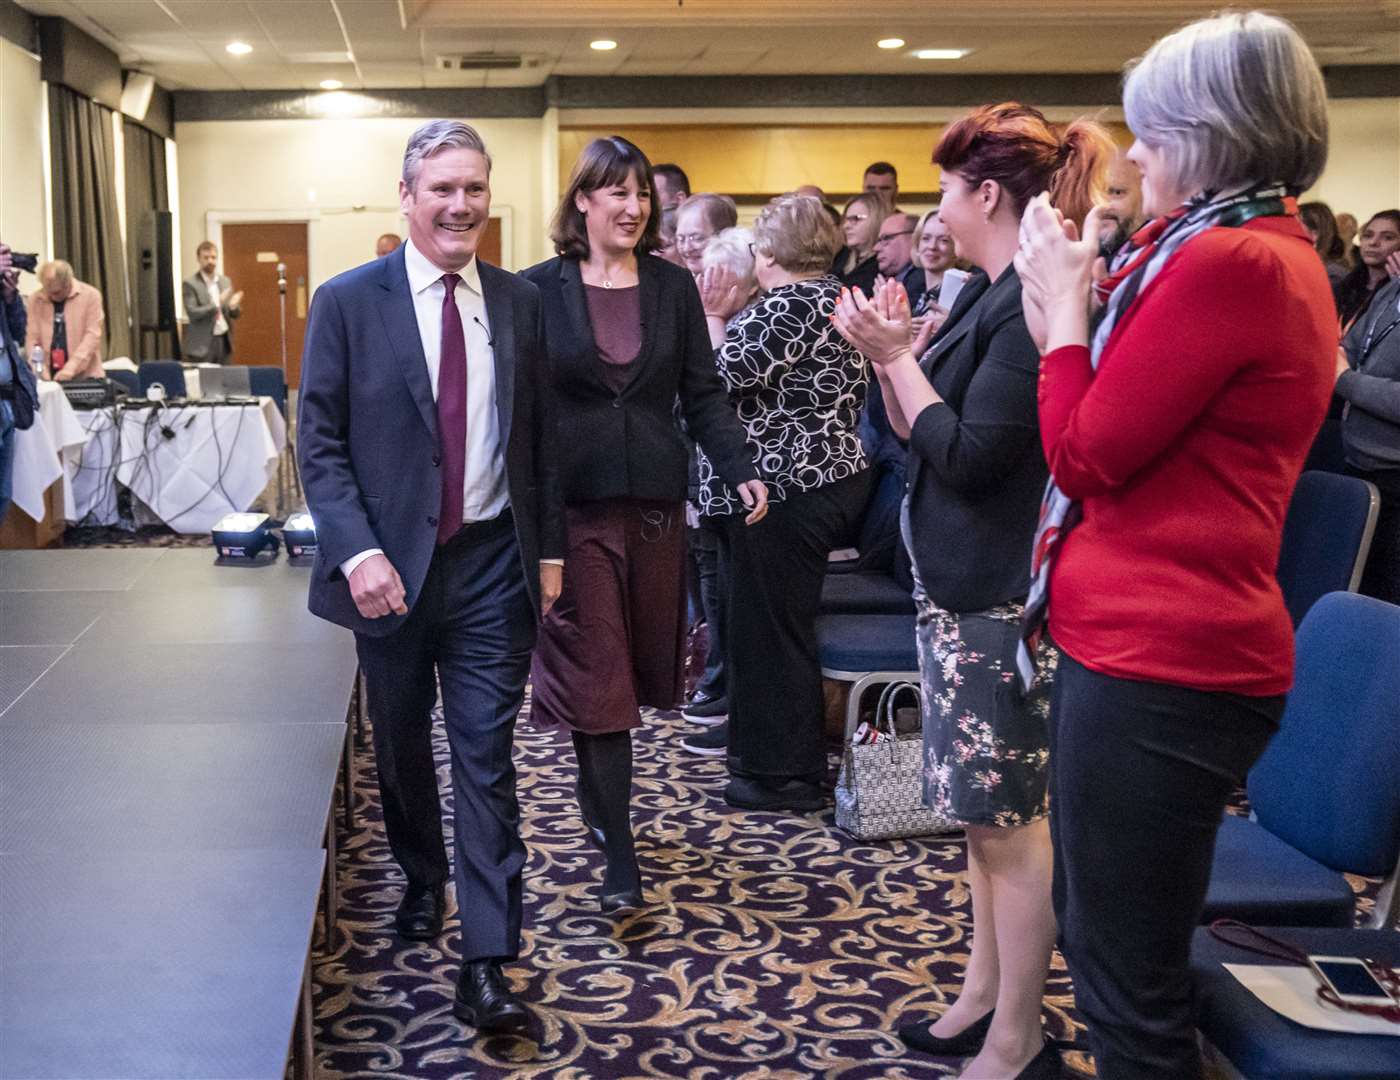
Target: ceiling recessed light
891	43
940	54
603	45
331	84
238	48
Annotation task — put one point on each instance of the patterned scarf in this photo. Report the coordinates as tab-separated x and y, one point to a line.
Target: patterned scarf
1135	267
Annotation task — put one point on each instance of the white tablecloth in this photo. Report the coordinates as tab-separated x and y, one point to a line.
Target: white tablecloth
216	459
46	451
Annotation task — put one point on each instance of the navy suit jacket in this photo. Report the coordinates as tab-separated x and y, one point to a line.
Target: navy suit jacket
367	438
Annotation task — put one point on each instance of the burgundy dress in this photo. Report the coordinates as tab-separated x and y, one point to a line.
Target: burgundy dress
614	640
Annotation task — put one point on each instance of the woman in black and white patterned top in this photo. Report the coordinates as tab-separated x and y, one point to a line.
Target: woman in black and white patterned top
799	388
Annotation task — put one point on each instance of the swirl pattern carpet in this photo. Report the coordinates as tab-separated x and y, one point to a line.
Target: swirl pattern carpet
773	946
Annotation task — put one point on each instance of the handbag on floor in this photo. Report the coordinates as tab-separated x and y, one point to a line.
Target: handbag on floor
880	791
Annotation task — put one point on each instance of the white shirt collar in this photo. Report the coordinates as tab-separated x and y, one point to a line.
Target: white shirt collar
422	273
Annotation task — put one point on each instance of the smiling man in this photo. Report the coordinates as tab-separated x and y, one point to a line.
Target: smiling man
427	454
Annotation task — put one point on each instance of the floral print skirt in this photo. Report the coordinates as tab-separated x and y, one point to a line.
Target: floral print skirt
986	742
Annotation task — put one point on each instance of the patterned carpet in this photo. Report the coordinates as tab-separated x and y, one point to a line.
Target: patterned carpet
775	946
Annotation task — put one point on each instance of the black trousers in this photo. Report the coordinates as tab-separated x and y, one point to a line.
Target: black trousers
1381	578
713	575
776	570
1139	777
473	623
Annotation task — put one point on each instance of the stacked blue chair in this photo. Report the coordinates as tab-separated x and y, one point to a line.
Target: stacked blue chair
866	651
127	379
1325	795
1326	538
168	373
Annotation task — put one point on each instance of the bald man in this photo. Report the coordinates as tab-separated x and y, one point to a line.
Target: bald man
386	243
1122	214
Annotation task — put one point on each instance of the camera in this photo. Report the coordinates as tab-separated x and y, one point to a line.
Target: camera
24	260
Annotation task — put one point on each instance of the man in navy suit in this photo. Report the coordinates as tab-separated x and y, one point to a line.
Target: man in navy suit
426	444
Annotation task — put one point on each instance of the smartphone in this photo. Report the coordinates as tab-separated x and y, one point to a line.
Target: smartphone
1350	979
953	282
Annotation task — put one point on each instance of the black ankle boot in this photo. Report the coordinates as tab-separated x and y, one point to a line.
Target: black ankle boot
605	796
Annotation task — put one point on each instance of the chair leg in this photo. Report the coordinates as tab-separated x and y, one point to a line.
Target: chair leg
347	782
1387	912
330	901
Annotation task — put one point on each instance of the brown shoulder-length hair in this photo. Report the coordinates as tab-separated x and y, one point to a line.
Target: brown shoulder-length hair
1017	147
603	163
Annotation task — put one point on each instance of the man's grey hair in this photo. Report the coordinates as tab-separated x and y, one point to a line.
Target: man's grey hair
730	248
1230	100
55	270
434	137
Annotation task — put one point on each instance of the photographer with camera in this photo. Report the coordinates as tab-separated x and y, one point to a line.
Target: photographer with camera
19	396
66	321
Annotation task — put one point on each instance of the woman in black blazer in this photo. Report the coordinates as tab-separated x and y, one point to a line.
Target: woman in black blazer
976	478
627	340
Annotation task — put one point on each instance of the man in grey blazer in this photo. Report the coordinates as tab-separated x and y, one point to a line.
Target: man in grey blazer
211	306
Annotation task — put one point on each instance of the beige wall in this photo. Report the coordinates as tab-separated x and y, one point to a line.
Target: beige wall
1363	168
327	168
22	220
343	173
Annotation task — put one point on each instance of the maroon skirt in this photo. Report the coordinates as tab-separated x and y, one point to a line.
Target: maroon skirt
615	639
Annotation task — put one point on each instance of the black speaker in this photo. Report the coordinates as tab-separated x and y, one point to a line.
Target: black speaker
157	289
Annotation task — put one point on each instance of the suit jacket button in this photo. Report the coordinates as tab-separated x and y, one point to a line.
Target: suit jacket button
432	521
437	459
617	403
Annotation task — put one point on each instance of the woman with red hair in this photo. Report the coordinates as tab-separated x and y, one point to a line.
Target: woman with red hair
976	476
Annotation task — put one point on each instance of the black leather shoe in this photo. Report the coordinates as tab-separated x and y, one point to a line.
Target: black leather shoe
799	795
969	1040
419	917
1046	1065
484	1001
618	901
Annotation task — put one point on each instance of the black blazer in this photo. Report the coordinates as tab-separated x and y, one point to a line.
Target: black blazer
628	444
976	469
367	438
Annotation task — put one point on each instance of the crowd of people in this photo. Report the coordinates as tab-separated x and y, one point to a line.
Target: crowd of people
1090	376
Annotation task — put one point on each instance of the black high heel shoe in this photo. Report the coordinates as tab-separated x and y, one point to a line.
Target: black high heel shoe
969	1040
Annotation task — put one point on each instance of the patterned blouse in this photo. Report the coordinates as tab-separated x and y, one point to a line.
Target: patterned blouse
798	387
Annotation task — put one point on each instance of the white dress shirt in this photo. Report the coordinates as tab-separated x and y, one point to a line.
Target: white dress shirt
216	298
484	495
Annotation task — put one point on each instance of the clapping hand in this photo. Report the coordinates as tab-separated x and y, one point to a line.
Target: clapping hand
1055	264
236	300
721	294
881	327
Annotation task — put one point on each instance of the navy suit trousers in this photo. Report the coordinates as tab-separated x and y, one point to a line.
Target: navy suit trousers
473	624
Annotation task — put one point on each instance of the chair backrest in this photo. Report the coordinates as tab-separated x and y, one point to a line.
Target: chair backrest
168	373
265	380
1326	537
128	379
1329	782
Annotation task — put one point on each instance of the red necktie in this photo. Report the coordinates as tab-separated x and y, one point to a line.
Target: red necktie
452	411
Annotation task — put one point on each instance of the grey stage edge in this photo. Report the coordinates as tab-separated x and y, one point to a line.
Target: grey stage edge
186	712
105	963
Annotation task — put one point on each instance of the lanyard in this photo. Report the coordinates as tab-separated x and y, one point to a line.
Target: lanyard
1371	339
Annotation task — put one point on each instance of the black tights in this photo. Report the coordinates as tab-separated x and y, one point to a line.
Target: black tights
605	801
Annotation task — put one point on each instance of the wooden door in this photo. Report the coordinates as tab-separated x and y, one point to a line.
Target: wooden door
250	256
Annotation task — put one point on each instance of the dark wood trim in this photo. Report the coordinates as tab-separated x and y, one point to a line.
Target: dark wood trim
498	102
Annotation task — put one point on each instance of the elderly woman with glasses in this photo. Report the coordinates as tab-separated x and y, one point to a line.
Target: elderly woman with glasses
1178	398
798	387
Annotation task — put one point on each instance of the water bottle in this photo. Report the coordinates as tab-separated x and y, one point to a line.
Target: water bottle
36	361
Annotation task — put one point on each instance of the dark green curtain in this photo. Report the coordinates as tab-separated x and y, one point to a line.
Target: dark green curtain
146	192
87	232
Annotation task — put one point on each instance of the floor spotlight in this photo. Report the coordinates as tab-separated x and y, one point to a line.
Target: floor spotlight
299	534
243	537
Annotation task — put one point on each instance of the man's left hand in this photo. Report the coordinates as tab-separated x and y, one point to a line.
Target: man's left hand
551	585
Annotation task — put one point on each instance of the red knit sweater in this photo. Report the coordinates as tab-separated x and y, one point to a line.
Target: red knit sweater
1184	450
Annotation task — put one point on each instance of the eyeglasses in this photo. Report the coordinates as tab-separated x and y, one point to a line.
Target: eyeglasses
890	236
690	239
856	219
753	251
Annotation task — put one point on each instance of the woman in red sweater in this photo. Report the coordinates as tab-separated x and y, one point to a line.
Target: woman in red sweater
1175	419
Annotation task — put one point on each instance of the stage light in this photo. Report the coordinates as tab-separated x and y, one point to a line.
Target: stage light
299	534
238	48
940	54
603	45
244	536
890	43
331	84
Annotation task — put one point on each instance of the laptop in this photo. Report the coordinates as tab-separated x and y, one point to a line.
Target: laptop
224	382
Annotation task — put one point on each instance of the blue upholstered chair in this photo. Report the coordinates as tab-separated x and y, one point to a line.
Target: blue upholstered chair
1256	1042
872	593
168	373
1326	538
265	380
127	379
1325	794
866	651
